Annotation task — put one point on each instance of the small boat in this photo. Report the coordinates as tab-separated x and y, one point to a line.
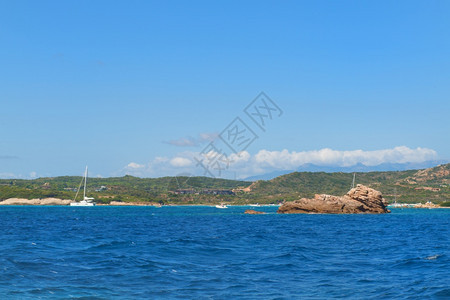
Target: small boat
395	204
255	205
221	206
87	201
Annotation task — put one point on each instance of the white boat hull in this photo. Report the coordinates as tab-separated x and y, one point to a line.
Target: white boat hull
82	203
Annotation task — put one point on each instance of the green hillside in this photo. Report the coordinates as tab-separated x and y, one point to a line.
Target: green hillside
408	186
127	188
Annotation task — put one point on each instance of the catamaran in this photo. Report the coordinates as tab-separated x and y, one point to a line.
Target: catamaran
87	201
221	206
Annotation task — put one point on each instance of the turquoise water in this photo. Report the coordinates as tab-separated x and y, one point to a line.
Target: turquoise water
209	253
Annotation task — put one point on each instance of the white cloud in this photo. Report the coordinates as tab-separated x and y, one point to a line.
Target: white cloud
160	159
134	169
208	136
288	160
244	164
240	158
180	162
133	165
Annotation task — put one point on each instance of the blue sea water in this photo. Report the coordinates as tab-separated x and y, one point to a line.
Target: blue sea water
50	252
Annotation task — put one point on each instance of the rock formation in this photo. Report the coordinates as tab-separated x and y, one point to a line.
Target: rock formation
254	212
359	200
45	201
118	203
428	204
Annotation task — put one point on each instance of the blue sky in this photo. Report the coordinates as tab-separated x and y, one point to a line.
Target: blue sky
122	86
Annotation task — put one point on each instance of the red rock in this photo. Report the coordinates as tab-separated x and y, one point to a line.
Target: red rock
359	200
254	212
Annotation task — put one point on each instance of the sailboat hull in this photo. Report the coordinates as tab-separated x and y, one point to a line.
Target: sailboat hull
82	203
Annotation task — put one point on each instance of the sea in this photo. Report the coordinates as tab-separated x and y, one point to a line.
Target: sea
200	252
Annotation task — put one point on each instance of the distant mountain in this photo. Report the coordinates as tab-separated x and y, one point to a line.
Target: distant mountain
356	168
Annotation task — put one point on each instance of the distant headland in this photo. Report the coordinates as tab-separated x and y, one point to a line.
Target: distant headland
428	187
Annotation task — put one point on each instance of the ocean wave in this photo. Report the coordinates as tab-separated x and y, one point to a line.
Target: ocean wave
192	252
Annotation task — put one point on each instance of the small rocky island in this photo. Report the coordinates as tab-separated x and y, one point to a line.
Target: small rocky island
359	200
253	212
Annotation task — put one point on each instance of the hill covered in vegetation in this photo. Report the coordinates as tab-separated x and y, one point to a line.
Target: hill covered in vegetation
190	190
406	186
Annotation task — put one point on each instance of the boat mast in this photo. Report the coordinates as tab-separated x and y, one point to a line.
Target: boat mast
353	183
85	176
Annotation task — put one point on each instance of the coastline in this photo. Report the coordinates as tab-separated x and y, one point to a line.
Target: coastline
66	202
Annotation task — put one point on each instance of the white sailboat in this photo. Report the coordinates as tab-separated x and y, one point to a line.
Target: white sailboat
87	201
395	204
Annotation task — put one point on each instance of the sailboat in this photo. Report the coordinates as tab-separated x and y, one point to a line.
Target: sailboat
87	201
395	204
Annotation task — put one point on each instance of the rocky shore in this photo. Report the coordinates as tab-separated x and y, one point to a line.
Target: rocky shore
118	203
45	201
427	205
359	200
57	201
